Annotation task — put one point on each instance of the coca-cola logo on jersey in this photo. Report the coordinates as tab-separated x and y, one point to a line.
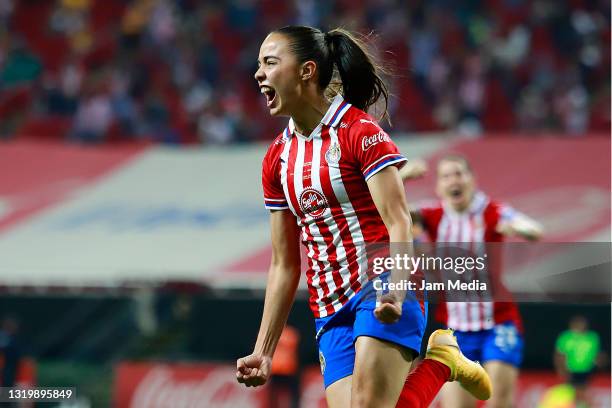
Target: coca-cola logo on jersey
369	141
313	202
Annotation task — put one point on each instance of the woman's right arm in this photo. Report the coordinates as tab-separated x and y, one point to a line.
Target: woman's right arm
283	279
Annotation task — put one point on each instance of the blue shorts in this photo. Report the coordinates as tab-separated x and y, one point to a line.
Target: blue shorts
501	343
336	334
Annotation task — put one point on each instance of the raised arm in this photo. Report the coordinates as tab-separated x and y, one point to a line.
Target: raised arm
413	169
283	279
522	226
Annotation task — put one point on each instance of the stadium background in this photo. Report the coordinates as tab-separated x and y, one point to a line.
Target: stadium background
131	135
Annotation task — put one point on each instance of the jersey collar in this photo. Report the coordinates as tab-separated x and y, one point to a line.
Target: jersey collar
332	118
336	111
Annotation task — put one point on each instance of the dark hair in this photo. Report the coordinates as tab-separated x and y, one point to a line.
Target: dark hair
458	159
360	76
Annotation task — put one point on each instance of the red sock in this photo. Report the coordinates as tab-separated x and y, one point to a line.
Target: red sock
423	384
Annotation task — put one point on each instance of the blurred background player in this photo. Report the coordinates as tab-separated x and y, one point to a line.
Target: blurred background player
285	381
489	332
334	171
577	352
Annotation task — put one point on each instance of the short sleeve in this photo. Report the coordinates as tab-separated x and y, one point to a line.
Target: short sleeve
274	197
372	148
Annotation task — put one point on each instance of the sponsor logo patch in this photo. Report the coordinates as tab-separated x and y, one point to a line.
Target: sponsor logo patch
368	121
369	141
313	202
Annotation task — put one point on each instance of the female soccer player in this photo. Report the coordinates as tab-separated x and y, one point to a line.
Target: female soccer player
489	332
331	178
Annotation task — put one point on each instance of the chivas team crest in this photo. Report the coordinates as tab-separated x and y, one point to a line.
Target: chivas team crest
332	156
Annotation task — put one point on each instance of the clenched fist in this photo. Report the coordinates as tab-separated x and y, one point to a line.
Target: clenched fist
253	370
389	310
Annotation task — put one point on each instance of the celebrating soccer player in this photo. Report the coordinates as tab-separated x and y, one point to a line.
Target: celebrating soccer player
489	332
331	178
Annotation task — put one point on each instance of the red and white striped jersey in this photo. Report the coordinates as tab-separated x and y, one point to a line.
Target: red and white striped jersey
322	180
475	225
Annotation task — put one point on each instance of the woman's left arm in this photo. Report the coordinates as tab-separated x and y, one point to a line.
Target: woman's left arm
389	197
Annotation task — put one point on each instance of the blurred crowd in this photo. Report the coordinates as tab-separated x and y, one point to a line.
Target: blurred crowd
182	71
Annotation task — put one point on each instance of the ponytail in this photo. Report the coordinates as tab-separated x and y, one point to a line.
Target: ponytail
362	85
360	80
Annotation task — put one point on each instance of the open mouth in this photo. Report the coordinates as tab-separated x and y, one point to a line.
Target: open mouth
269	93
456	192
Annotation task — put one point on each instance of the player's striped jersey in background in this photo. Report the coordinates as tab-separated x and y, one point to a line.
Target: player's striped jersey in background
472	227
322	180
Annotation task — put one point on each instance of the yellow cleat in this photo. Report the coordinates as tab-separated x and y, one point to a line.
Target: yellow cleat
443	347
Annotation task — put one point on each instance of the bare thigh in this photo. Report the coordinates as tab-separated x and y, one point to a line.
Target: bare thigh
503	378
380	371
338	394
